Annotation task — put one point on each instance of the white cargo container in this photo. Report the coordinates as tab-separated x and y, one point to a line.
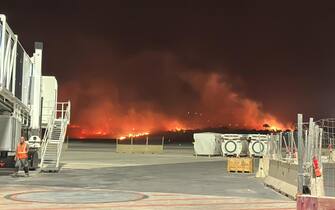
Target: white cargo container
207	143
258	145
234	145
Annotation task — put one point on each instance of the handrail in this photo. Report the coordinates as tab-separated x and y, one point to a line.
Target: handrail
61	112
46	135
65	116
60	146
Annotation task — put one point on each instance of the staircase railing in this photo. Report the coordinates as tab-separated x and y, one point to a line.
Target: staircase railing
61	112
47	134
65	114
60	145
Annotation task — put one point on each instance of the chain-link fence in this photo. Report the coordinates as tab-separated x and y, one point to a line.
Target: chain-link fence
283	146
327	154
328	137
309	148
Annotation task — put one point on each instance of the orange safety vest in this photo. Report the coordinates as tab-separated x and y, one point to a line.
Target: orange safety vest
21	151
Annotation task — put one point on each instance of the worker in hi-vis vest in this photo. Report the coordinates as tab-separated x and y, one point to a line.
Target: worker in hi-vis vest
21	157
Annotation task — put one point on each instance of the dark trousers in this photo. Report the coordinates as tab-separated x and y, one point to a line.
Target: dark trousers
23	163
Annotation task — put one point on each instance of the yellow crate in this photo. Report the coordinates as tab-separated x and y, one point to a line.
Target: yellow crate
237	164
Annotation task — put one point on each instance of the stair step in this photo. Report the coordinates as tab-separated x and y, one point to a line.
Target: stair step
49	167
55	141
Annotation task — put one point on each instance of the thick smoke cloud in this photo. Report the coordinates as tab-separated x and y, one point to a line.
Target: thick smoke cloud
145	50
142	64
152	91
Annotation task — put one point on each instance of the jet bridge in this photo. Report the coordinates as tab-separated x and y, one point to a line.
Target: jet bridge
23	91
19	78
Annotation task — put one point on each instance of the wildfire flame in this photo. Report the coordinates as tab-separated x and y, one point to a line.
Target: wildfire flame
134	135
218	105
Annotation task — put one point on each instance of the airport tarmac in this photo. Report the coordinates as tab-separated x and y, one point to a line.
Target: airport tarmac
94	176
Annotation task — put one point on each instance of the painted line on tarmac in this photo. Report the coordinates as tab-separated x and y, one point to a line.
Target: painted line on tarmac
239	199
14	197
95	165
170	205
132	206
164	195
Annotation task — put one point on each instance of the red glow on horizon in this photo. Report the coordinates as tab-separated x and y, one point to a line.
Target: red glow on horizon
75	131
218	105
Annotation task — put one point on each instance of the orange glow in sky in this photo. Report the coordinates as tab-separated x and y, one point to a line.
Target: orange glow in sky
217	105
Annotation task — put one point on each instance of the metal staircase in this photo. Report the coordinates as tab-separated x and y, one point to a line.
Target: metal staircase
54	136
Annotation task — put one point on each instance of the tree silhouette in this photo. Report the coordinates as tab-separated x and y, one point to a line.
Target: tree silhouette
266	126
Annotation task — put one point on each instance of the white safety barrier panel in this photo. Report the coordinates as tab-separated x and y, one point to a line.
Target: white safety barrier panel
263	167
283	177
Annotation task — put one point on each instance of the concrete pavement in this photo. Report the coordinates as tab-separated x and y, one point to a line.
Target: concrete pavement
173	180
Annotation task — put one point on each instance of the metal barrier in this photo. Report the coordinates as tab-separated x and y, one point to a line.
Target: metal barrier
280	166
327	154
140	145
295	165
302	161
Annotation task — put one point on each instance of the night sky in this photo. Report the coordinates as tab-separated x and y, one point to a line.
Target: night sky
135	66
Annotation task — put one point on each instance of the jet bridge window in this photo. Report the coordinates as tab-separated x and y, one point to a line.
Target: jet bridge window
19	71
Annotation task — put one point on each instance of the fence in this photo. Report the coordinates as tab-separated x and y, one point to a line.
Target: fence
283	146
280	165
328	137
140	145
309	151
327	154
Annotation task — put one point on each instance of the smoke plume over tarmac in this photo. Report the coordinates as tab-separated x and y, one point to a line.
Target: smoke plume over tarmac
140	66
152	91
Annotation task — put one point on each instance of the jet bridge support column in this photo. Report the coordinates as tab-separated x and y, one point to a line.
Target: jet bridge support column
36	89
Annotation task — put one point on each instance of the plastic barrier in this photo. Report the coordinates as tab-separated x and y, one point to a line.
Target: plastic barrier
263	167
306	202
283	177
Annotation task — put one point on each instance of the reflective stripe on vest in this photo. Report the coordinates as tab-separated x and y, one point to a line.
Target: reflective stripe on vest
22	151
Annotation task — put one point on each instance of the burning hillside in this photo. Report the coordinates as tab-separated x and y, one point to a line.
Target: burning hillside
163	94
